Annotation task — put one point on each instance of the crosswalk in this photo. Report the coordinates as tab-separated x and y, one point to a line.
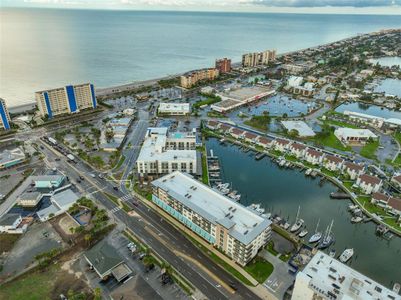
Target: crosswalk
115	209
126	198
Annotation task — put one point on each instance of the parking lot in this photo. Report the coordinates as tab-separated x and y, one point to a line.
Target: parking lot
39	238
146	284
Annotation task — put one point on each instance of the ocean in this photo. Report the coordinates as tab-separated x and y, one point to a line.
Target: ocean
47	48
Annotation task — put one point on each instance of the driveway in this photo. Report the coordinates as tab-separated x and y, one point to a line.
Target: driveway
280	280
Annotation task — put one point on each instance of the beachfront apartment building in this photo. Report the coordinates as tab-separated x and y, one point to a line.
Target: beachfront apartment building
234	229
163	152
333	163
223	65
5	120
326	278
66	100
188	80
369	184
255	59
314	157
174	109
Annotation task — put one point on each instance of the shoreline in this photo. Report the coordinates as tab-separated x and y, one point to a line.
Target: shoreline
103	91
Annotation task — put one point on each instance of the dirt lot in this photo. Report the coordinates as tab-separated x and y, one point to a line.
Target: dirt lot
7	241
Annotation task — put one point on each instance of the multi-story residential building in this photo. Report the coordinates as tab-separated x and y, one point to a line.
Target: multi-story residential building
258	58
234	229
298	150
281	145
174	109
369	184
314	157
163	152
396	180
237	133
66	100
264	142
333	163
250	137
4	116
190	79
223	65
353	170
325	278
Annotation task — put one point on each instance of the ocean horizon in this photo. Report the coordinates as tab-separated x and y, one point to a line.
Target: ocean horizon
46	48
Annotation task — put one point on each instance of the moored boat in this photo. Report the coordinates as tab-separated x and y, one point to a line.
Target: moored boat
303	233
356	219
328	238
346	255
332	252
317	235
298	222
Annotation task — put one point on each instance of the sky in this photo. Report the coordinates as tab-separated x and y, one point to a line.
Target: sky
289	6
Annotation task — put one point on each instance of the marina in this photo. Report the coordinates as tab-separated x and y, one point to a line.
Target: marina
282	202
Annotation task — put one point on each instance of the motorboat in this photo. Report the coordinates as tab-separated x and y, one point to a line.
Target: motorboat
352	207
356	219
298	222
332	252
346	255
303	233
396	288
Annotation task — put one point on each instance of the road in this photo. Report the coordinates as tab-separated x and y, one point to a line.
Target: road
161	236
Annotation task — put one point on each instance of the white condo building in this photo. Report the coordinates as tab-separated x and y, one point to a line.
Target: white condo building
236	230
174	109
66	100
164	152
326	278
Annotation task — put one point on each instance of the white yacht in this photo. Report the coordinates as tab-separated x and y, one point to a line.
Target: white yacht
317	235
346	255
298	222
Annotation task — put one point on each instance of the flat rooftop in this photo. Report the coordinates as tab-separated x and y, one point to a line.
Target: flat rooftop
154	145
10	155
174	107
245	93
330	275
242	223
300	126
351	132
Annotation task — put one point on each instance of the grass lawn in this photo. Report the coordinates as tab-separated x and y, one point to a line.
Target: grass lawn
270	248
205	177
7	241
220	262
207	101
33	285
397	136
120	162
260	269
258	122
369	150
330	141
340	124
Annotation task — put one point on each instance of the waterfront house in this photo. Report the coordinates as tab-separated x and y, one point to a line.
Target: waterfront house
394	205
264	142
379	199
213	125
281	145
236	133
314	157
298	150
369	183
224	128
250	137
333	163
353	170
396	180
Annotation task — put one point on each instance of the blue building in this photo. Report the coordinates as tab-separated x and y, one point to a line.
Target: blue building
4	116
66	100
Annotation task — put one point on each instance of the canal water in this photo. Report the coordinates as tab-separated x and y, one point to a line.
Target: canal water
387	61
373	110
283	190
389	86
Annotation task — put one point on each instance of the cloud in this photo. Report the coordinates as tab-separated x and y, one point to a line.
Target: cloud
327	3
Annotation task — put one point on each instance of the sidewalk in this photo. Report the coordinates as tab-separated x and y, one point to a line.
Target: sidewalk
258	289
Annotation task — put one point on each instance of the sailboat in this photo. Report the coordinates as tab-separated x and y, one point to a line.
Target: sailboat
328	238
298	222
316	236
